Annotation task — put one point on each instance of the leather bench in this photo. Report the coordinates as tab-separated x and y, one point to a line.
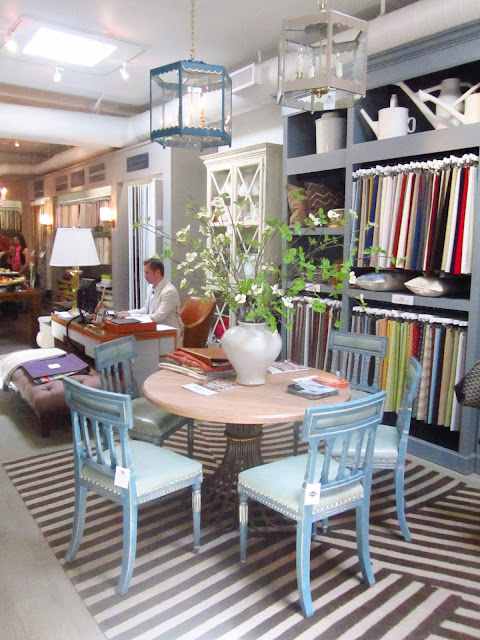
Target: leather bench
48	400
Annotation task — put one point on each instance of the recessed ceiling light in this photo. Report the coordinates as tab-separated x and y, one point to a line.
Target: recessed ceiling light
67	48
57	76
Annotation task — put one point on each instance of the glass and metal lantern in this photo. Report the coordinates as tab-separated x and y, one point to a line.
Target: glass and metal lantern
190	105
322	61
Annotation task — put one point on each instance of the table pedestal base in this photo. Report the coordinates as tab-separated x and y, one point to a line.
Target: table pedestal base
242	452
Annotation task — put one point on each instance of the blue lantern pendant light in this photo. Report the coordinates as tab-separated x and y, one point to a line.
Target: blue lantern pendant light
322	62
190	103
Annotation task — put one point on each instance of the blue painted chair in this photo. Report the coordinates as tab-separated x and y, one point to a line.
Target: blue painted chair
311	487
357	358
104	454
114	361
391	442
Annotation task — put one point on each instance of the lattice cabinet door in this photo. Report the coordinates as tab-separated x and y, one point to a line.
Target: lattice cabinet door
243	185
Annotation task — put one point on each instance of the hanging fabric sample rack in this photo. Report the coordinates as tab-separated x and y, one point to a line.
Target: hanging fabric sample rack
438	343
417	216
307	341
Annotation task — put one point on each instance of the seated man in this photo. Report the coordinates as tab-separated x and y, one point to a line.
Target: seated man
162	301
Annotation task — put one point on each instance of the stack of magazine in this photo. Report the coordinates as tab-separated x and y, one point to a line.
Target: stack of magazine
309	389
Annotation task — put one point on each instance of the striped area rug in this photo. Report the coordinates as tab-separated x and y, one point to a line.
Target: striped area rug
427	589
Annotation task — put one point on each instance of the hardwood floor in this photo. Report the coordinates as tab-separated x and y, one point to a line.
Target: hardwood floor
37	600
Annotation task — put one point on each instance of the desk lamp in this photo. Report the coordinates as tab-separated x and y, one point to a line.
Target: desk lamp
74	246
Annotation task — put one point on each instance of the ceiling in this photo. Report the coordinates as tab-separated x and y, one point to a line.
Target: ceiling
229	33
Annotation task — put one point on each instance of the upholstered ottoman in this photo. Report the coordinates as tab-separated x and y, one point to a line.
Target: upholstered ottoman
48	400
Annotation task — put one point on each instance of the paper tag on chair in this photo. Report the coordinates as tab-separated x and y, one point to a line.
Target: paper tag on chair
122	477
312	493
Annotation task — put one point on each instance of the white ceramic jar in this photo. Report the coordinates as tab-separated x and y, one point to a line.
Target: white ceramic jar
251	348
330	132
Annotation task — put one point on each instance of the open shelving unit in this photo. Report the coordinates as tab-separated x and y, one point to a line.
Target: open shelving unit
421	65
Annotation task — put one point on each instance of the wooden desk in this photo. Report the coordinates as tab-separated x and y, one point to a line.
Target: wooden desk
243	410
34	298
150	344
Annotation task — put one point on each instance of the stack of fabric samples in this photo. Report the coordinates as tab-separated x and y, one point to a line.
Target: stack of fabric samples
200	363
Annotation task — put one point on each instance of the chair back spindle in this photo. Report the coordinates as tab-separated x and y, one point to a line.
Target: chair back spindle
357	357
114	361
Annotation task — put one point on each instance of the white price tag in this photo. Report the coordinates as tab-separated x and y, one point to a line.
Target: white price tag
122	477
53	366
196	388
329	100
400	298
312	493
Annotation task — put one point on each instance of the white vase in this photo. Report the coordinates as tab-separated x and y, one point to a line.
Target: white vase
251	348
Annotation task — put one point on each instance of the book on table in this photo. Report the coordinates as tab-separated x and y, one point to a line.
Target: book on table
311	390
67	364
211	356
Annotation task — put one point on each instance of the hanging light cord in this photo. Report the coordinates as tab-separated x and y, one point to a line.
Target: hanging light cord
192	24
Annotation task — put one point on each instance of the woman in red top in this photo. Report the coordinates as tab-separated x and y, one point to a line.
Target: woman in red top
21	257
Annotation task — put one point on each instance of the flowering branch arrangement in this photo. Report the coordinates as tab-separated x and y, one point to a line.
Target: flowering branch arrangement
258	275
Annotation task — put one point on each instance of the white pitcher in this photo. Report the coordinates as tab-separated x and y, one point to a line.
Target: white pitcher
392	121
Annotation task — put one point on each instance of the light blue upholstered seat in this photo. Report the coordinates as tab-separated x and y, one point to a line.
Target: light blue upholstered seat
101	421
391	441
285	485
114	361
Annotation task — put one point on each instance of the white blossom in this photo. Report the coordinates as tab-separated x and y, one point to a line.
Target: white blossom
182	234
276	290
288	302
183	283
257	289
352	278
190	257
316	221
241	298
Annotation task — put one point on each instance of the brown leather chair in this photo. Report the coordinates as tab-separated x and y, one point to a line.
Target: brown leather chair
197	316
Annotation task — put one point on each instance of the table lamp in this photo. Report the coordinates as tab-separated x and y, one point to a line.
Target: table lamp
74	246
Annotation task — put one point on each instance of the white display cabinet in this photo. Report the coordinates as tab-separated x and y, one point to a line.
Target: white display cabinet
247	185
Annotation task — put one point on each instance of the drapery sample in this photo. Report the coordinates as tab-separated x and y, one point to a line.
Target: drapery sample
418	215
307	341
438	343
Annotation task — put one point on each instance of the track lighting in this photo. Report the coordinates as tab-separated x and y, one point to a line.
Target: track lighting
58	74
123	71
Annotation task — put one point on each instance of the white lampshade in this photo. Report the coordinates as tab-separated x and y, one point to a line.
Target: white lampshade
74	247
105	214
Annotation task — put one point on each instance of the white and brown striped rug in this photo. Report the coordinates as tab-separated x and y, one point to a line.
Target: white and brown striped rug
426	589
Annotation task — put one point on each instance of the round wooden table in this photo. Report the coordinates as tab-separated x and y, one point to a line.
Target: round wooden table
243	410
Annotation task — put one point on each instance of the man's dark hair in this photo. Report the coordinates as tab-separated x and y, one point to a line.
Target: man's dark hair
155	265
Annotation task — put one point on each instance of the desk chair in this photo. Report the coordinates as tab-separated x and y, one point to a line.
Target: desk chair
114	361
102	450
197	317
292	486
357	358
